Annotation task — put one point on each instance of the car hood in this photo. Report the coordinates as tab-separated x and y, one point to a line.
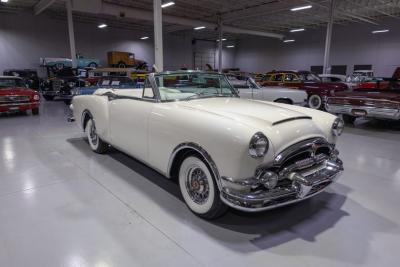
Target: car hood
246	111
17	91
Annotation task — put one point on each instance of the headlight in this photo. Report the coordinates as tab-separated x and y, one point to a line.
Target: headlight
337	127
258	146
36	97
71	84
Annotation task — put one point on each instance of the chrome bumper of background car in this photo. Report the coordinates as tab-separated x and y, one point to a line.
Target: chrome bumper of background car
20	104
371	112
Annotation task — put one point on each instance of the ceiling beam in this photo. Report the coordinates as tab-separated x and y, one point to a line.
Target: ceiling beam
42	5
99	7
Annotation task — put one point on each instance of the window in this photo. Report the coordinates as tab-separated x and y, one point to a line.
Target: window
290	77
148	89
339	69
317	69
277	78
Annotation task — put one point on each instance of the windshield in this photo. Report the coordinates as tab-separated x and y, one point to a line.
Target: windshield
188	86
309	77
10	82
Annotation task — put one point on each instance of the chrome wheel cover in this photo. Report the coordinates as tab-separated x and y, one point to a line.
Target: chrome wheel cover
197	185
94	139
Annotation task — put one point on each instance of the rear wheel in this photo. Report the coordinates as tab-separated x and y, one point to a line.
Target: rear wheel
121	65
199	189
96	144
92	65
348	119
315	102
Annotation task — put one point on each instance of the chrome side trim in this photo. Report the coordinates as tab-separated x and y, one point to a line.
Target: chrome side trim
202	152
371	112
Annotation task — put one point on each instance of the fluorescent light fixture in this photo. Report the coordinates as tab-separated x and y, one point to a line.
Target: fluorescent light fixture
297	30
199	28
102	26
144	38
289	41
380	31
223	39
230	46
168	4
301	8
4	1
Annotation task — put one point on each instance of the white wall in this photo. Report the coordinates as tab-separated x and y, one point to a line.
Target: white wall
25	38
351	44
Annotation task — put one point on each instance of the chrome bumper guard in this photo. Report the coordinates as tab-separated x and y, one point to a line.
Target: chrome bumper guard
370	112
294	185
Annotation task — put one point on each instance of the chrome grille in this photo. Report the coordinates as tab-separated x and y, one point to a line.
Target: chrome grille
13	99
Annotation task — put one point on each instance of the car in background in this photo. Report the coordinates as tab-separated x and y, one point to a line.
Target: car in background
364	103
61	83
106	82
16	97
222	150
60	63
252	90
30	77
316	89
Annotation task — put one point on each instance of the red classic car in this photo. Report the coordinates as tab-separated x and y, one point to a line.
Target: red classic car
16	97
378	104
317	90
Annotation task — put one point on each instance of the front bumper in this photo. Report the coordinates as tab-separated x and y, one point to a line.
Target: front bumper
297	179
16	107
364	111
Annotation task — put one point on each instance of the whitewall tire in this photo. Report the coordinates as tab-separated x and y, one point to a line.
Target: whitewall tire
199	189
95	142
315	102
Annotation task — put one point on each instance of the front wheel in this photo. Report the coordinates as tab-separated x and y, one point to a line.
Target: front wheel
48	97
92	65
315	102
35	111
96	144
199	189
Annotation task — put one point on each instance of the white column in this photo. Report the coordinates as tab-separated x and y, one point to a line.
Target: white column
158	37
71	32
328	40
220	45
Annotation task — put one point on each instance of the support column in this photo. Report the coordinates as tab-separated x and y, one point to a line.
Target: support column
220	36
328	40
158	37
71	32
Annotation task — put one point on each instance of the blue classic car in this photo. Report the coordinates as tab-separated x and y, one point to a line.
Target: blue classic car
61	63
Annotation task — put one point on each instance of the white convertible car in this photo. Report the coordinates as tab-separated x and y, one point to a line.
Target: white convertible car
277	94
224	151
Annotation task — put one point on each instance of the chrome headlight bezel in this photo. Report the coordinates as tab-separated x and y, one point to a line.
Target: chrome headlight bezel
258	145
338	127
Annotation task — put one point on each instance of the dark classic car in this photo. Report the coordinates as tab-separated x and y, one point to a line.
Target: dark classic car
29	76
378	104
317	90
61	84
16	97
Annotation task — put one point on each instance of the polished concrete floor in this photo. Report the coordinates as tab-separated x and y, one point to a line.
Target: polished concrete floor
62	205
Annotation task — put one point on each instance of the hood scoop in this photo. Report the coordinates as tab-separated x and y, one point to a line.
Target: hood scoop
292	119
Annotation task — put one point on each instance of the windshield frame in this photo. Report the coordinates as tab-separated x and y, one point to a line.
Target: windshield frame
156	90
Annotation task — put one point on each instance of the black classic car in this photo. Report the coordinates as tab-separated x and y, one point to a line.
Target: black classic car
61	84
29	76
